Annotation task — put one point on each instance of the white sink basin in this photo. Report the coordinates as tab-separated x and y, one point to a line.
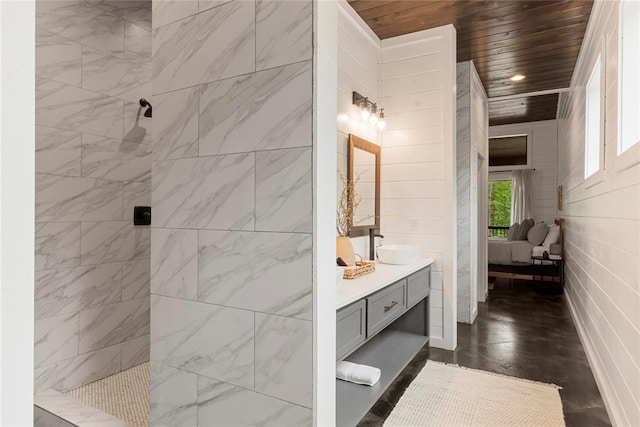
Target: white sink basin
398	254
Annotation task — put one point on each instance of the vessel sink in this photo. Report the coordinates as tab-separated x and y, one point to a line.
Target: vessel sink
398	254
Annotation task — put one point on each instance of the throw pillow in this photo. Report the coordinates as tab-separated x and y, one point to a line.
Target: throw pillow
525	226
553	236
513	232
537	233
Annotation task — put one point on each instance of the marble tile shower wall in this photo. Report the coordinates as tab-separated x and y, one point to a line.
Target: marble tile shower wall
93	165
231	259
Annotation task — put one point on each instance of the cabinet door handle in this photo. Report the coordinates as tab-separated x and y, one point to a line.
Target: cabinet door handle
390	306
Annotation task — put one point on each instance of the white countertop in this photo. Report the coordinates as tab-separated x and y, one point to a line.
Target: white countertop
385	274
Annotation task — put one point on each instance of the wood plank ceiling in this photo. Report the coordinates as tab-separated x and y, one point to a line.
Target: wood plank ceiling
540	39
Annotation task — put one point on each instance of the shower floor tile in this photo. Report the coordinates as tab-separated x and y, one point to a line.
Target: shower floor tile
124	395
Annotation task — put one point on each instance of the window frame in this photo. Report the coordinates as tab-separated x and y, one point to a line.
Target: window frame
628	156
594	176
498	176
517	131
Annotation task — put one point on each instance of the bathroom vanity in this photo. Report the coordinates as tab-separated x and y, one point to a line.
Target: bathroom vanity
382	321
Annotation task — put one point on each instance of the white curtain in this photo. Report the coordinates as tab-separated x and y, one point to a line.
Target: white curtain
521	195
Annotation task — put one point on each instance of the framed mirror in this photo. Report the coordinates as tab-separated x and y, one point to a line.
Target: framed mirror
363	170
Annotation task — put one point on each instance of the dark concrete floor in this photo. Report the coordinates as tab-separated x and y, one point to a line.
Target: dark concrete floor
524	331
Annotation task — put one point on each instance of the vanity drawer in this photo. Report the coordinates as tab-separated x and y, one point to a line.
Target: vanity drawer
385	306
350	328
418	286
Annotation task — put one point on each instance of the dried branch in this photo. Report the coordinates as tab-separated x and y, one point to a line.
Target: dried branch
347	204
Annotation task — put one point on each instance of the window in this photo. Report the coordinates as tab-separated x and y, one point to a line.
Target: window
499	195
629	70
592	118
508	150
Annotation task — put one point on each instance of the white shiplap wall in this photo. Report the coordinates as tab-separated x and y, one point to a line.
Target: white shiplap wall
358	70
602	229
418	191
417	86
544	146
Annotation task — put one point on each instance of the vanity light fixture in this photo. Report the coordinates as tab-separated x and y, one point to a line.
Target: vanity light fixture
369	110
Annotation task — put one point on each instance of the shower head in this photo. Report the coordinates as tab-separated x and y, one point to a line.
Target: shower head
145	103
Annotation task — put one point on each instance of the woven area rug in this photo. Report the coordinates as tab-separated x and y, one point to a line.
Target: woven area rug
124	395
449	395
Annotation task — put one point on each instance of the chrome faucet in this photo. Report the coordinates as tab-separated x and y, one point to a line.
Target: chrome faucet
372	242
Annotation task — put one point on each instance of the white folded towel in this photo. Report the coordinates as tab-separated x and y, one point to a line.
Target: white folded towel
355	373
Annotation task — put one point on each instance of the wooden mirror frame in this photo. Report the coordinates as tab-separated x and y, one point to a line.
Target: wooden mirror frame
370	147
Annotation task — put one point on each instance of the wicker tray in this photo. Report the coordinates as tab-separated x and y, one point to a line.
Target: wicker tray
362	268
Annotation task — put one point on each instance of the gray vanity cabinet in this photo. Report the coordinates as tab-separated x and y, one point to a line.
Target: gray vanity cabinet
351	328
385	306
418	286
385	329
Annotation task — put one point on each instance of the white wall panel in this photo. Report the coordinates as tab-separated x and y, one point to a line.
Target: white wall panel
602	236
417	81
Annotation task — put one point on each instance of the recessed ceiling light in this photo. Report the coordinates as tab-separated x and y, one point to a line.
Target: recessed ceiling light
517	77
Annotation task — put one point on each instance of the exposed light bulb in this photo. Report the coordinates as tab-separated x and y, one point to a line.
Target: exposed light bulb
364	109
373	118
381	122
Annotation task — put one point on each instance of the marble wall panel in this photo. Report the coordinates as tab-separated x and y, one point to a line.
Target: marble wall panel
283	364
135	194
135	352
231	258
137	44
70	290
173	397
208	4
76	371
77	199
176	125
189	52
265	284
58	152
260	111
207	192
220	403
284	32
205	339
56	339
135	279
283	190
93	165
168	11
115	159
106	241
111	324
174	263
82	22
72	108
111	75
134	11
58	58
57	245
